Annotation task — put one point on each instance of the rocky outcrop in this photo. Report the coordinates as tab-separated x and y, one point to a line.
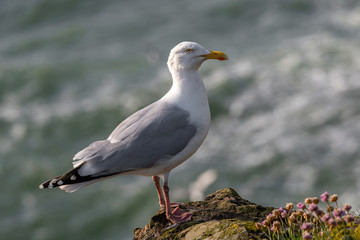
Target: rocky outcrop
222	215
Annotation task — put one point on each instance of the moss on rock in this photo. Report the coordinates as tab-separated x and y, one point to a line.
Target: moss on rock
222	215
216	229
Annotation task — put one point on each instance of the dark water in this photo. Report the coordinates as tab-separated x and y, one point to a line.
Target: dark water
285	108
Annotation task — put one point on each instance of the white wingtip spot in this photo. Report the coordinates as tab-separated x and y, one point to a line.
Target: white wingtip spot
60	182
73	178
41	186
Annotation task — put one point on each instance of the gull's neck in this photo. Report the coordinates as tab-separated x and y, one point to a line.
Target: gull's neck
188	92
186	85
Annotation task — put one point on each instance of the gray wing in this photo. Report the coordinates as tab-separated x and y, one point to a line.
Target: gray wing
156	132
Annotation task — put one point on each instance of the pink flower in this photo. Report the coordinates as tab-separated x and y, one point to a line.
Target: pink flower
270	217
307	235
266	223
306	226
284	214
325	218
331	222
301	206
339	213
349	218
313	207
324	197
276	226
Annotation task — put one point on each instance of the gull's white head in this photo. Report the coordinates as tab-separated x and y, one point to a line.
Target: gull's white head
190	55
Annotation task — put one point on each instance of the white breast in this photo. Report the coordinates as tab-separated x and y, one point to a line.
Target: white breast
189	93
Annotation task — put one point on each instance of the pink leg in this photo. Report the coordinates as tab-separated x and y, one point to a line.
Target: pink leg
156	180
176	216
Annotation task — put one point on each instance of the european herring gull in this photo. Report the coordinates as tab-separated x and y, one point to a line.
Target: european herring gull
155	139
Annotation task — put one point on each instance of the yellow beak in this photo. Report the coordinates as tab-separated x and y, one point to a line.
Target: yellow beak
216	55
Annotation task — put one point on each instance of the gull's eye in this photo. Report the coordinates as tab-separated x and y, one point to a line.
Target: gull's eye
188	50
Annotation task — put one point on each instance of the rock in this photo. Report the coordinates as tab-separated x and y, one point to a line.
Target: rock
222	215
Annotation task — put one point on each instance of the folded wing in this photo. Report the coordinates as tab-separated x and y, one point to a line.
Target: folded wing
156	132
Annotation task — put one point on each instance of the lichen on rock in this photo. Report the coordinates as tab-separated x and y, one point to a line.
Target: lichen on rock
222	215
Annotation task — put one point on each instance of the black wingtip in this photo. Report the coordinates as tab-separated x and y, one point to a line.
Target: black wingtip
69	178
55	182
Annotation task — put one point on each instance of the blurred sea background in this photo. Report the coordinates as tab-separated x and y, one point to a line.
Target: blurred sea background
285	107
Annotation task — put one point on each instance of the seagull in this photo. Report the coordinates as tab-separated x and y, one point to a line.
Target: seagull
155	139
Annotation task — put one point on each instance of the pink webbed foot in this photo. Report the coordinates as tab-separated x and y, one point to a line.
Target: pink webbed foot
179	216
176	216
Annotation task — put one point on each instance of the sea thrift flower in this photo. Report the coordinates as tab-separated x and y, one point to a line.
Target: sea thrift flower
307	216
313	207
306	226
301	206
338	220
334	198
319	212
299	212
266	223
324	197
276	212
331	222
315	200
307	235
276	226
292	218
282	210
338	213
347	208
270	217
329	209
284	214
308	201
325	218
289	206
349	218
